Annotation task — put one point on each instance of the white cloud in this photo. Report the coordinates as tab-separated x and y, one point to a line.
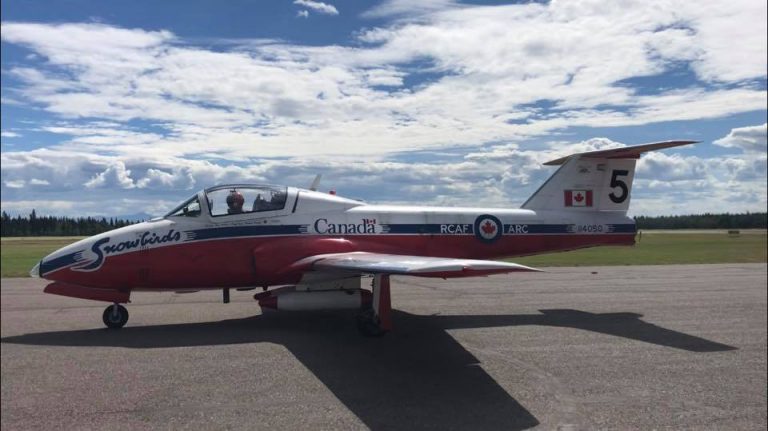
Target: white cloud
178	178
14	184
407	8
500	176
319	7
664	167
488	69
302	14
9	134
9	101
384	77
731	36
749	169
142	114
119	47
752	139
115	176
563	149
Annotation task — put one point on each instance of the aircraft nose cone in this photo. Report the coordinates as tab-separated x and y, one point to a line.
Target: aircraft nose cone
35	271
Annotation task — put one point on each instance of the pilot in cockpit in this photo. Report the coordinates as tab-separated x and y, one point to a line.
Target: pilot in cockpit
260	204
235	202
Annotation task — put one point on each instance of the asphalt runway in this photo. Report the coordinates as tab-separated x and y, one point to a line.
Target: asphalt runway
679	347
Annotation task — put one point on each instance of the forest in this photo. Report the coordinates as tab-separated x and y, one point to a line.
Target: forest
34	225
704	221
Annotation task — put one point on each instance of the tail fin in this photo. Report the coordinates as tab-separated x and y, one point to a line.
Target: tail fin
593	181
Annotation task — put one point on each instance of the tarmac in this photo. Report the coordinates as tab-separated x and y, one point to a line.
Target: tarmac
676	347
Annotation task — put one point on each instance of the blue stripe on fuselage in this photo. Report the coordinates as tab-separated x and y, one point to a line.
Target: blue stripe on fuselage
431	228
392	229
70	259
538	228
624	228
243	231
437	228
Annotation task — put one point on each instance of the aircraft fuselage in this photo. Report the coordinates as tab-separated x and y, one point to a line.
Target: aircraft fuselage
261	248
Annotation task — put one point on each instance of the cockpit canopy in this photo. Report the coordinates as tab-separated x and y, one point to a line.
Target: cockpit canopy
234	199
190	208
251	198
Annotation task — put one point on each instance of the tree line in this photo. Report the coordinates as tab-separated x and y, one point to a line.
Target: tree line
704	221
34	225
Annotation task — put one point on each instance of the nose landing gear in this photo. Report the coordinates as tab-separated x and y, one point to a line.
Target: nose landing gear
115	316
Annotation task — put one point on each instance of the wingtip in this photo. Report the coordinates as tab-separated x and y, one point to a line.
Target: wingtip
524	268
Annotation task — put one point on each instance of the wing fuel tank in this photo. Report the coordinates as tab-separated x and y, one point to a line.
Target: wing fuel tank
293	300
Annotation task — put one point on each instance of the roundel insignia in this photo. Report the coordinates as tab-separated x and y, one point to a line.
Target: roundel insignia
488	228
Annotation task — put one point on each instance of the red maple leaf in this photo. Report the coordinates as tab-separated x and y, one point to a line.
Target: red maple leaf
488	228
578	197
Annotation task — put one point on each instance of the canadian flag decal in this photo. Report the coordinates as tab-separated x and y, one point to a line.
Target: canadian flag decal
578	198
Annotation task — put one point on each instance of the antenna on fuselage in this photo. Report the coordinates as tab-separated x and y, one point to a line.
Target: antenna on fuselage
315	183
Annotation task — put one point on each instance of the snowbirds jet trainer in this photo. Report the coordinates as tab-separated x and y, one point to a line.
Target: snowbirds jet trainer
311	251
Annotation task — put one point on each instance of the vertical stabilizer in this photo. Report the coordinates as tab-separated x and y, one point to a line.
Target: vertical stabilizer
594	181
583	184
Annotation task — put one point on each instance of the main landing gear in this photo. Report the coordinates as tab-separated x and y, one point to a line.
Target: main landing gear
369	325
115	316
377	320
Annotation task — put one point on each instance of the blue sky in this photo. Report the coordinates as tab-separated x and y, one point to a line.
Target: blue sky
123	107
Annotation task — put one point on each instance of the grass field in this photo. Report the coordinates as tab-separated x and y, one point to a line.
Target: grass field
19	255
663	248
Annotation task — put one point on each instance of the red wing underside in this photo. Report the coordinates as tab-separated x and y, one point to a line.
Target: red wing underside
418	266
75	291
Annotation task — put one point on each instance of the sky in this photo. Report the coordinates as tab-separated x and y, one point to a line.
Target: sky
128	107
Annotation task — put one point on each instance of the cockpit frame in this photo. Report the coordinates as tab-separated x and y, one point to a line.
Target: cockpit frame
260	201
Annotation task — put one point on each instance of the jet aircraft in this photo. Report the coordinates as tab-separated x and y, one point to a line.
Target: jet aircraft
309	250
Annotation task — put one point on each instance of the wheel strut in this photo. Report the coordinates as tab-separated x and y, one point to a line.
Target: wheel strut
377	320
382	302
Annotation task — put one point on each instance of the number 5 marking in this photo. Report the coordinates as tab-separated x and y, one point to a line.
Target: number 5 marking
615	182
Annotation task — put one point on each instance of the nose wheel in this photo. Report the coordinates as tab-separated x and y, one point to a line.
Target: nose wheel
115	316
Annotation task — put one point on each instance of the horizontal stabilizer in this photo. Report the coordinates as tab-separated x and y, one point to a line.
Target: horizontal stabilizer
624	152
420	266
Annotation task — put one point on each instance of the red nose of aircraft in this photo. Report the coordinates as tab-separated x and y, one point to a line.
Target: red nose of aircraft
82	262
73	262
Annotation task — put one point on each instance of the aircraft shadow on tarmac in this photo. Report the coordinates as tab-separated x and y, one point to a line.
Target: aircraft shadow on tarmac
417	377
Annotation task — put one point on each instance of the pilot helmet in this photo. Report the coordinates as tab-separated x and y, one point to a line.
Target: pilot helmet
235	200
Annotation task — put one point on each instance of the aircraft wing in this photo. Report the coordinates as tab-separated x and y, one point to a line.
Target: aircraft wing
419	266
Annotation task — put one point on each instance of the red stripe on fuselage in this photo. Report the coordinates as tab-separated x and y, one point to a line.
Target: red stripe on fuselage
261	261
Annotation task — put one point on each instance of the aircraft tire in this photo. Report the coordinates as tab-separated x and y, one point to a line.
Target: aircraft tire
368	324
115	321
